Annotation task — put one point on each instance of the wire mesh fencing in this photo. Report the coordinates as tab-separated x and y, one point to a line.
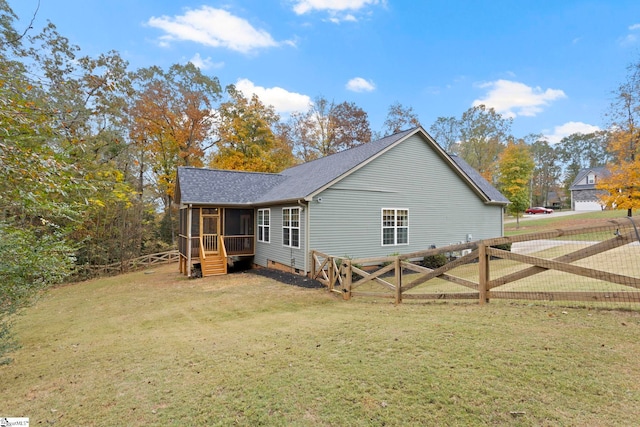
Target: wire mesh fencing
595	266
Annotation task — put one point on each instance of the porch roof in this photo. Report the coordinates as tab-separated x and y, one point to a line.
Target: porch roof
222	187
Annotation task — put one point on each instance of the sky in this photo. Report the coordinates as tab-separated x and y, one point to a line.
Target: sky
550	65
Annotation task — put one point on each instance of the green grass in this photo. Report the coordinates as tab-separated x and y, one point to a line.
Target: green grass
551	222
157	349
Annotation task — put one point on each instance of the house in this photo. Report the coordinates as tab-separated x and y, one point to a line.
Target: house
400	194
584	195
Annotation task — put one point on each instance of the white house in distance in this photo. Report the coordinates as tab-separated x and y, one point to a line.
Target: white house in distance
584	195
400	194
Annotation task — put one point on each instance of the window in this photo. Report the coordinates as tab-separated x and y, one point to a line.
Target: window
291	227
395	227
263	225
591	179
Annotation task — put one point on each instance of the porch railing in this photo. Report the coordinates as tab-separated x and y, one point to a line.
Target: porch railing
239	245
213	243
210	242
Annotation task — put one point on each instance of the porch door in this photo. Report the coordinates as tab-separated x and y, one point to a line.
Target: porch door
210	226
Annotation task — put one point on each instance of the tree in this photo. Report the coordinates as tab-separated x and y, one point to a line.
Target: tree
446	131
546	173
173	114
246	138
624	172
399	118
327	128
41	187
479	136
516	166
579	151
32	262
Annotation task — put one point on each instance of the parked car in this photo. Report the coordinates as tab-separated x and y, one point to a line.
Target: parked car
538	209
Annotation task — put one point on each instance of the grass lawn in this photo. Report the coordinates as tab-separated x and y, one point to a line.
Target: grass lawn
153	348
551	222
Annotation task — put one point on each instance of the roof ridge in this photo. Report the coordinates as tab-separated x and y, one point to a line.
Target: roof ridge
229	170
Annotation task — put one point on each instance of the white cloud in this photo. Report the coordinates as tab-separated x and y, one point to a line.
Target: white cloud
282	100
338	9
513	99
212	27
205	63
569	128
632	37
358	84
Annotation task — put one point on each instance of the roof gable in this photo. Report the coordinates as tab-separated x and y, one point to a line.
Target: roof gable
308	178
223	187
580	183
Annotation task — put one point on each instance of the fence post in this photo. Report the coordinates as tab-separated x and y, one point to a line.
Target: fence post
347	278
332	278
398	272
483	276
313	264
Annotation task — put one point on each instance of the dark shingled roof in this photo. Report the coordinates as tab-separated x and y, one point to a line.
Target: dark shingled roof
305	179
485	186
600	171
223	187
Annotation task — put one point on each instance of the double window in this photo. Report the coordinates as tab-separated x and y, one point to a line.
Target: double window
291	227
395	227
263	225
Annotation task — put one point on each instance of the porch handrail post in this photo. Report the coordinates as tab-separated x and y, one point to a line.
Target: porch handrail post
222	249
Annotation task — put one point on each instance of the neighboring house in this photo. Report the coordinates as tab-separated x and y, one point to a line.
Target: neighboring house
399	194
584	195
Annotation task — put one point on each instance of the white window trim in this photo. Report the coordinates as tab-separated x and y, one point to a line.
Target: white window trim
290	227
264	226
395	227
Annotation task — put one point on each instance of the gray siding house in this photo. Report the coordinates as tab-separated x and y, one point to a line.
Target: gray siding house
402	193
584	195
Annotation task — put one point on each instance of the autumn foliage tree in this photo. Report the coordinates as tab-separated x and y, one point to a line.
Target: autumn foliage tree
515	167
246	138
173	122
622	184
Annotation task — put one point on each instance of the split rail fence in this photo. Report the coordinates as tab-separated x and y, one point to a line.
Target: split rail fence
596	264
124	266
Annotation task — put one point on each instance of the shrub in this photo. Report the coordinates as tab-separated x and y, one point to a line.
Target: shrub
504	247
434	261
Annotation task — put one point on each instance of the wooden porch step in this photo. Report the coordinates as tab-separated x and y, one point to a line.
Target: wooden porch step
214	265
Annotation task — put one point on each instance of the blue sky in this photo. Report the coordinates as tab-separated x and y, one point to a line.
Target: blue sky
550	65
